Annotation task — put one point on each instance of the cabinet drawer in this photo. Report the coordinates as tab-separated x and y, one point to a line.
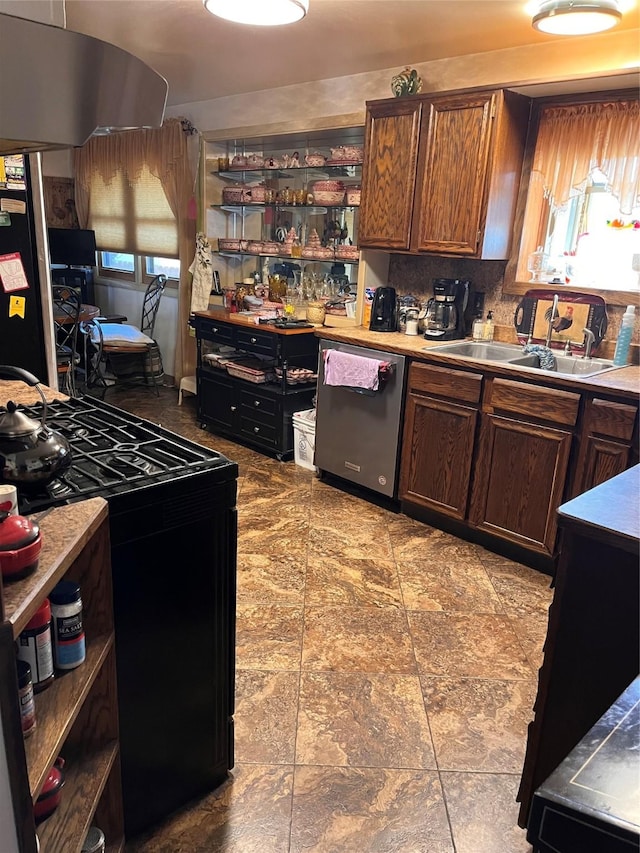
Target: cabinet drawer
531	401
445	382
252	403
214	331
615	420
260	342
267	433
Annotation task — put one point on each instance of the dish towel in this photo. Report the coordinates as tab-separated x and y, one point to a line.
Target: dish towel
352	371
202	271
545	355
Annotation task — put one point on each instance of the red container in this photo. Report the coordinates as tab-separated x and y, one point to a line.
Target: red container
50	796
20	544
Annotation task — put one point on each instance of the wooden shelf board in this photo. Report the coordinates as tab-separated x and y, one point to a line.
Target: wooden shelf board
57	708
85	777
65	530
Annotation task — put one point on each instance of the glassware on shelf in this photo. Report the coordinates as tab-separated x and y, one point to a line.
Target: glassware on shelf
537	264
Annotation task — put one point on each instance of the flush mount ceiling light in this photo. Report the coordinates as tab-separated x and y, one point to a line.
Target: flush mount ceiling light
576	17
262	13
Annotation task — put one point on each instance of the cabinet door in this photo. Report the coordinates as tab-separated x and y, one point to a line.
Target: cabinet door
389	174
606	444
519	481
217	400
436	454
456	133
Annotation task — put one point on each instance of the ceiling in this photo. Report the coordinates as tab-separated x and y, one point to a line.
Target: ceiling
203	57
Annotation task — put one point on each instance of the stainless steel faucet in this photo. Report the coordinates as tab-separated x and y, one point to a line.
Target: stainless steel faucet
554	311
589	341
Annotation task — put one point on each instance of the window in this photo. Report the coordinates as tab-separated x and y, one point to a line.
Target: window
582	213
140	268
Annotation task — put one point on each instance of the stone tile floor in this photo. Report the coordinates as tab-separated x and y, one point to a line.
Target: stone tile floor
386	673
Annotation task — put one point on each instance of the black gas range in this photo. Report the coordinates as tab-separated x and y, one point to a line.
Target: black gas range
114	453
173	532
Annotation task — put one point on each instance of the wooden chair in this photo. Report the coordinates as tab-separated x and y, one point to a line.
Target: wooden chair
66	317
131	352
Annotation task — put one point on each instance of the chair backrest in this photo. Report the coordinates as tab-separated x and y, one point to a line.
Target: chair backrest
66	315
151	304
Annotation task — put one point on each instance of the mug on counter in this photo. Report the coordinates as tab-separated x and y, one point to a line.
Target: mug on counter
8	499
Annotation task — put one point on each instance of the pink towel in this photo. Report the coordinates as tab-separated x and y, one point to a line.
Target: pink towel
354	371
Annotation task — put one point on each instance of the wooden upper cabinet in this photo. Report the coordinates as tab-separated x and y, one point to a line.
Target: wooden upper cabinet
389	174
448	186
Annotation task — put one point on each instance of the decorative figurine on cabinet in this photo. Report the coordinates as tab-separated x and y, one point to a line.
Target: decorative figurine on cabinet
406	83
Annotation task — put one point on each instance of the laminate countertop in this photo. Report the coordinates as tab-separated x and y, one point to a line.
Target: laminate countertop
622	381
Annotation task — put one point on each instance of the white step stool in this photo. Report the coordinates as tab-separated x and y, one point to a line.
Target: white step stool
188	384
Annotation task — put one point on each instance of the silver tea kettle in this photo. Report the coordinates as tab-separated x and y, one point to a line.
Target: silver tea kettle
31	454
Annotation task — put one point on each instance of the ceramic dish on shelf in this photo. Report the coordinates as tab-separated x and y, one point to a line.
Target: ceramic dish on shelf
328	198
344	162
352	195
342	153
297	375
347	253
228	245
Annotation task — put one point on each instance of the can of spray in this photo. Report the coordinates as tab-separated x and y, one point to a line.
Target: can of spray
67	628
25	694
34	647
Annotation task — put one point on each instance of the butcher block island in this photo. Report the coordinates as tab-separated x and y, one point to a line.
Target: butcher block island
252	378
164	493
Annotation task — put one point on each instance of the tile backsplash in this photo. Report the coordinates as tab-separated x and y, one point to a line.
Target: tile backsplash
409	274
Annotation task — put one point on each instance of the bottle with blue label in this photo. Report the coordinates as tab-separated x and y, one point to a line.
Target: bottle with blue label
621	355
67	628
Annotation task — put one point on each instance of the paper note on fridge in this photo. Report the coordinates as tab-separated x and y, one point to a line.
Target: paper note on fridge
13	205
12	273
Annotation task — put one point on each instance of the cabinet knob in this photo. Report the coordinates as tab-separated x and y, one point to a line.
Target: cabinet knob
215	329
256	429
254	340
256	402
233	408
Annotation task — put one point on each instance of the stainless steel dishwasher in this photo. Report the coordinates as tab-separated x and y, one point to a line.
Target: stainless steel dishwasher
358	434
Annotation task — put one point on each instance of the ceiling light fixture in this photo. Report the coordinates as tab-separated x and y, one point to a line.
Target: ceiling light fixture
576	17
261	13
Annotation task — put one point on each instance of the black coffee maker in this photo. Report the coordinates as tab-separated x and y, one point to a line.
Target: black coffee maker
444	320
384	314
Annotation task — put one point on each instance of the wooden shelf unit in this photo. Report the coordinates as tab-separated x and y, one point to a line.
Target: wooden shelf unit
77	715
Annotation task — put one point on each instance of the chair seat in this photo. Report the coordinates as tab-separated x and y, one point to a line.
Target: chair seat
122	336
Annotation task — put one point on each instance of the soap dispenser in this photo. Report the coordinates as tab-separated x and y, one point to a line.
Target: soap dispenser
487	331
621	354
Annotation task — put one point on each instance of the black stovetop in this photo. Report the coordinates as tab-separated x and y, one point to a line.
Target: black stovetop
113	452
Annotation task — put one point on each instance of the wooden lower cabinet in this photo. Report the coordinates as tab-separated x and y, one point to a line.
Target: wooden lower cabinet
519	481
607	442
439	437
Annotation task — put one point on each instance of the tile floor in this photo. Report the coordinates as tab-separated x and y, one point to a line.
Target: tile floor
386	673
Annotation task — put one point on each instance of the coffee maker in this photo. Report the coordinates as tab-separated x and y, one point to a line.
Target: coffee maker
444	320
384	316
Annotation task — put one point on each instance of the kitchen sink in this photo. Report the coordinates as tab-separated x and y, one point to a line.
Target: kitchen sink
566	365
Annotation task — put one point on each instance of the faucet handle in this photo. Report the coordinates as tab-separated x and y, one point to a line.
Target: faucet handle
589	341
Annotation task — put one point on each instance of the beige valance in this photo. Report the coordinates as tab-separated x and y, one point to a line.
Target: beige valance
574	140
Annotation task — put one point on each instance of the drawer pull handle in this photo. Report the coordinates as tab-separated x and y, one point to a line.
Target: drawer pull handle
256	402
256	429
233	408
254	340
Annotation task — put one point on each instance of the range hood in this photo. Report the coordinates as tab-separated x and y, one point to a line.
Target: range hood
58	88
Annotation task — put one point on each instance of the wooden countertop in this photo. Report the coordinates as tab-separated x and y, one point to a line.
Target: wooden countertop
24	394
623	381
610	511
65	530
248	322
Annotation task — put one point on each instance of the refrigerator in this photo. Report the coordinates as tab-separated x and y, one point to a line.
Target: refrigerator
26	321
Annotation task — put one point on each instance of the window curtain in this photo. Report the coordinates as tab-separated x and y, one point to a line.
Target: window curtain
137	159
573	140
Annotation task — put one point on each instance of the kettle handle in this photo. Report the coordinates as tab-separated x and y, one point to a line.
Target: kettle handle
7	371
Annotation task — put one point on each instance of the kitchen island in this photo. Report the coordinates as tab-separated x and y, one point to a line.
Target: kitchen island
591	653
